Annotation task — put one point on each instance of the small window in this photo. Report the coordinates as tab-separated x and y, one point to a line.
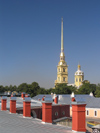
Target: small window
80	79
56	113
95	113
63	113
87	112
63	69
76	80
64	78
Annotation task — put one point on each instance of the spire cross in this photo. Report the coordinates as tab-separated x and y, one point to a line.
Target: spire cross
79	66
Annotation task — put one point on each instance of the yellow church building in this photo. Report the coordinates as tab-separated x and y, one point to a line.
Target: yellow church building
62	68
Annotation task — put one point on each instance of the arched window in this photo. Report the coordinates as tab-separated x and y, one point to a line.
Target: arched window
80	79
76	80
64	78
63	69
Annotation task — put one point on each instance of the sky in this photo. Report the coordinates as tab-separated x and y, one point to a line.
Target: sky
30	40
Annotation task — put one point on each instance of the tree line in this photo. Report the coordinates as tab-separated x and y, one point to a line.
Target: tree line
34	89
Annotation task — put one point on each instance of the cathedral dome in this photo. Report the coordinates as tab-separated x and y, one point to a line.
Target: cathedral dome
79	72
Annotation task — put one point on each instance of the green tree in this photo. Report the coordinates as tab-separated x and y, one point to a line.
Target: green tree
2	89
42	91
22	87
12	88
34	89
73	89
86	88
6	88
97	92
62	89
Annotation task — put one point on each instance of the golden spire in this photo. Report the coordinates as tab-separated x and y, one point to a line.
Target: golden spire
62	45
62	56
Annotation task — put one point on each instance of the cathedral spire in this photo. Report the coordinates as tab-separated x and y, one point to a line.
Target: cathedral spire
62	56
62	45
62	68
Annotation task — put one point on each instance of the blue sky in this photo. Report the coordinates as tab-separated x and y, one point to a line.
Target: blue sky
30	36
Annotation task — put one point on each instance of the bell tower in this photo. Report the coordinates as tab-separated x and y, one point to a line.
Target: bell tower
79	76
62	68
